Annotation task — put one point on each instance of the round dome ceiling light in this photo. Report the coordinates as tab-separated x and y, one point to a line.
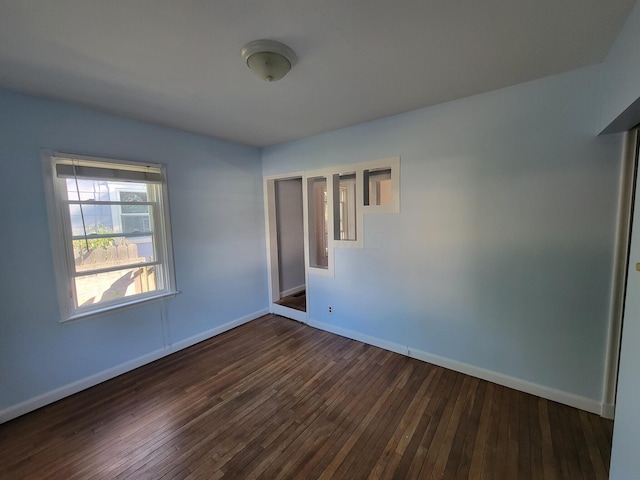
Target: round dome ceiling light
268	59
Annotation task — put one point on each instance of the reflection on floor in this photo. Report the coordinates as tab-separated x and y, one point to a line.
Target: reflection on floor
297	301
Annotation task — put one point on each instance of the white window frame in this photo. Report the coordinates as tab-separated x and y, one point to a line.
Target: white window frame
62	242
358	218
310	230
331	174
393	164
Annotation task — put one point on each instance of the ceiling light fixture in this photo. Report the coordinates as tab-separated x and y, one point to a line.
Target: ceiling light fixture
268	59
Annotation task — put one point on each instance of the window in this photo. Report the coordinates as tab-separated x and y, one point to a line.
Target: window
381	186
344	204
318	222
135	216
336	201
110	231
377	187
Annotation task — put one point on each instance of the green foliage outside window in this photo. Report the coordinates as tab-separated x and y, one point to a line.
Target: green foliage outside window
94	243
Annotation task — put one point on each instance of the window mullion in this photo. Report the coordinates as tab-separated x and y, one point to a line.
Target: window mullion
97	236
105	202
67	233
115	268
158	244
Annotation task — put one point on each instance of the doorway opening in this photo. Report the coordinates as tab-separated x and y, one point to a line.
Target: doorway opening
285	237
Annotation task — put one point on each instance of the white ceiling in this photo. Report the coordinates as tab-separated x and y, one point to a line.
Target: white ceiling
177	62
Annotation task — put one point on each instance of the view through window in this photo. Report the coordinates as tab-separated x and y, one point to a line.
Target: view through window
113	232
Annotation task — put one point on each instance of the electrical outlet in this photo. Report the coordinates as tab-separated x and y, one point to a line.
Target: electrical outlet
330	309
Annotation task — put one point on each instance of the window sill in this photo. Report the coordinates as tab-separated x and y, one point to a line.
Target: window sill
120	306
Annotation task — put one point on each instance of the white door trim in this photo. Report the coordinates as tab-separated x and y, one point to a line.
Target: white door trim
271	233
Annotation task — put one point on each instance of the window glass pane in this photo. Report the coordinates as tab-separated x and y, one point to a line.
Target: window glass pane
133	197
318	222
99	218
106	220
344	204
377	185
135	224
110	286
108	252
106	190
97	190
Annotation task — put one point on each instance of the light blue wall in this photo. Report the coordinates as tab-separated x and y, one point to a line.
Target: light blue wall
621	78
215	194
502	254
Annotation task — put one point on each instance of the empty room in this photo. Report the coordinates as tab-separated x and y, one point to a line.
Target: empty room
316	240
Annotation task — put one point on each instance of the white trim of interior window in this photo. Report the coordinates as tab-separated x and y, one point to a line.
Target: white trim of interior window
359	241
59	223
328	174
394	164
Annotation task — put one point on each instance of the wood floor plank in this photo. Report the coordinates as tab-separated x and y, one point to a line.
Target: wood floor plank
549	468
479	449
469	433
341	416
503	446
439	431
559	446
497	416
362	425
446	448
524	438
568	442
603	438
405	429
599	468
372	449
276	399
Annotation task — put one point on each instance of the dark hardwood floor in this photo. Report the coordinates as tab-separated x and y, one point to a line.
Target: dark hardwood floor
297	301
277	399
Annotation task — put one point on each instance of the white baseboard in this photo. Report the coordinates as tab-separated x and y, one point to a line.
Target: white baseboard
577	401
288	312
87	382
376	342
608	410
291	291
